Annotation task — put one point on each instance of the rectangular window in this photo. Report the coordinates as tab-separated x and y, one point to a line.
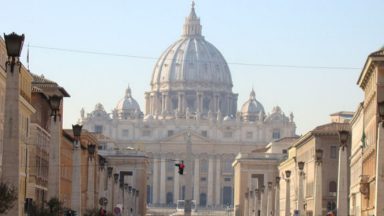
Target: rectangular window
169	178
227	179
98	129
276	134
146	133
125	132
203	179
170	133
228	134
333	152
204	133
249	135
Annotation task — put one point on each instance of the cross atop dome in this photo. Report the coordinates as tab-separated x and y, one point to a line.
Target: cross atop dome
192	26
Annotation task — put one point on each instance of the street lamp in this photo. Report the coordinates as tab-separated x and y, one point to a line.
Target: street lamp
109	171
116	177
101	163
14	44
54	102
301	165
343	138
91	150
287	173
319	156
77	133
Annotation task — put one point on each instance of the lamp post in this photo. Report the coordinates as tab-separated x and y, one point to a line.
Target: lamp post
342	179
379	193
54	169
76	170
263	208
318	205
300	200
11	143
246	203
115	193
91	176
269	199
277	196
287	193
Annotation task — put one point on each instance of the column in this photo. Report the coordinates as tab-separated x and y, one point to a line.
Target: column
342	182
246	203
269	200
91	183
11	144
218	181
379	193
210	182
54	172
277	197
155	181
318	199
162	181
287	197
176	185
76	178
196	182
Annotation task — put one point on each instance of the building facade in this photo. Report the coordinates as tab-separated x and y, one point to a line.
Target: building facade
371	81
191	90
256	186
318	187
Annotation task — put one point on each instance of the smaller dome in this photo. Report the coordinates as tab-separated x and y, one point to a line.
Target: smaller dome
252	105
252	109
127	107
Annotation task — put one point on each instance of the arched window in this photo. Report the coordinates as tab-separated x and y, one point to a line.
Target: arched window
332	188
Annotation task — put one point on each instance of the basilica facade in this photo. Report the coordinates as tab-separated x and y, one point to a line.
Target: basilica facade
190	90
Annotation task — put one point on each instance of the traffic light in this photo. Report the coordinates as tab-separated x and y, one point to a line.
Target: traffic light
181	167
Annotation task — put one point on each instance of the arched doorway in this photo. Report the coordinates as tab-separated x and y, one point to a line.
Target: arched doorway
203	200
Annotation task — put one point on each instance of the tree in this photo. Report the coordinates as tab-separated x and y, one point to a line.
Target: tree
8	196
53	208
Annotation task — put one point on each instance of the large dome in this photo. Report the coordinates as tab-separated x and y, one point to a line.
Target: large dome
191	63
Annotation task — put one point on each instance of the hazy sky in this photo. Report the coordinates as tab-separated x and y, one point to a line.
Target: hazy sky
291	37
